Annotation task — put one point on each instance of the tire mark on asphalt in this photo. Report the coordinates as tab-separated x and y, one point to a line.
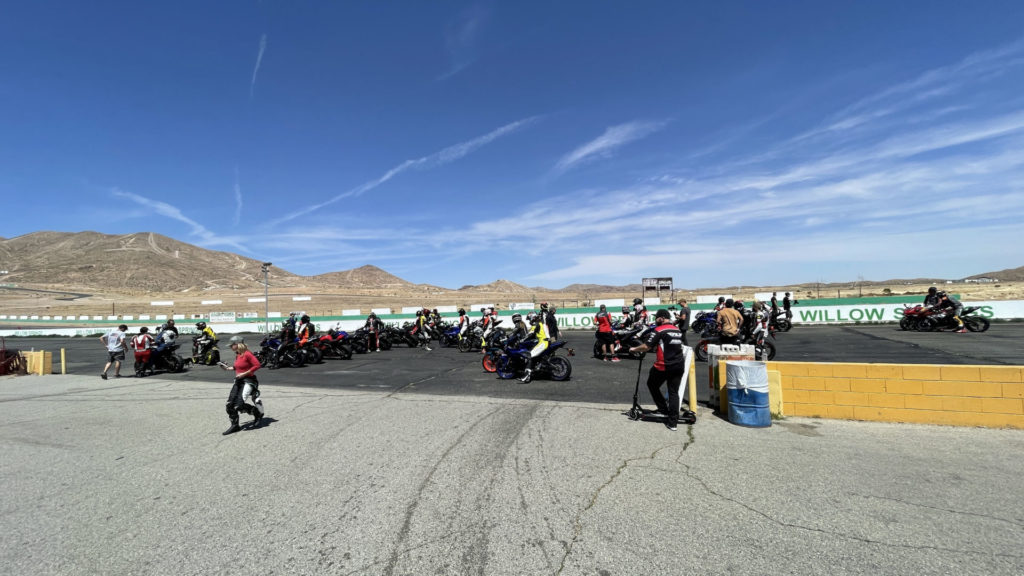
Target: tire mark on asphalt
403	533
921	346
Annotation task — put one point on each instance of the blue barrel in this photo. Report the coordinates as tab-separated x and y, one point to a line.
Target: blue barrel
746	385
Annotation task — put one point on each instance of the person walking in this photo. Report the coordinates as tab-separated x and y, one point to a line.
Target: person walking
669	366
246	387
787	304
116	347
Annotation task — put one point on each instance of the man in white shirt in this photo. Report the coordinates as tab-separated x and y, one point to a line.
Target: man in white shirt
115	343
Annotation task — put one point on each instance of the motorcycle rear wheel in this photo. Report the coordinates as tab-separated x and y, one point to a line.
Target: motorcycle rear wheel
314	355
561	368
701	351
465	345
765	352
175	363
976	324
783	324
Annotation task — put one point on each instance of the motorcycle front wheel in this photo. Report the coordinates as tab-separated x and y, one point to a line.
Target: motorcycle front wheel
906	323
764	351
488	364
976	324
465	345
701	351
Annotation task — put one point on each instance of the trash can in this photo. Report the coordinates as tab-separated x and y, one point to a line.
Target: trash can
717	356
746	383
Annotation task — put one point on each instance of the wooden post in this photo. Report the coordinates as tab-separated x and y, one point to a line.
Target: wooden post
63	365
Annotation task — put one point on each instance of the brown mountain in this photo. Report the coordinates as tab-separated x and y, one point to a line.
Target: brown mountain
363	277
503	286
139	262
1008	275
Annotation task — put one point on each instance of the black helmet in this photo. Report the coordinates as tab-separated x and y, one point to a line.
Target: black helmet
625	309
373	314
143	330
603	307
721	299
170	322
517	317
462	311
738	304
940	294
304	319
543	305
932	290
637	301
419	312
201	325
483	310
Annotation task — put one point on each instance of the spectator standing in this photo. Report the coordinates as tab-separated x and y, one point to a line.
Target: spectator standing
669	366
551	322
775	305
116	347
141	345
683	318
605	334
729	323
787	304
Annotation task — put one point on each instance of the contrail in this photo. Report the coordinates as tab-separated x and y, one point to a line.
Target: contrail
238	198
259	60
445	156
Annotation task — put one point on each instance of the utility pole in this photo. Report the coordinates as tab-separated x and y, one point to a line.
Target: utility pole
265	267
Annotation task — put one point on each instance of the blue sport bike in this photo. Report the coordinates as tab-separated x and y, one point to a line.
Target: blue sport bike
512	363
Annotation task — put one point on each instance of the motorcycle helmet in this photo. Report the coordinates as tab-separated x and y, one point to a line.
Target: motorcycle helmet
434	311
462	311
304	319
738	304
721	299
170	322
637	301
483	310
941	294
143	330
517	318
490	310
419	312
932	290
201	325
625	309
543	305
373	315
532	317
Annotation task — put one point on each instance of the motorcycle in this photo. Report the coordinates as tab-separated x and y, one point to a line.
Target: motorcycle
210	356
912	316
168	359
512	363
449	336
474	338
274	354
942	319
705	323
780	323
333	345
624	340
312	351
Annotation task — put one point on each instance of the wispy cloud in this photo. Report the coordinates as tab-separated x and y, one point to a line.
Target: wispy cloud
604	145
206	236
256	69
461	40
445	156
238	199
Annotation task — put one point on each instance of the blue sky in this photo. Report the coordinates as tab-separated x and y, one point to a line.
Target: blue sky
545	143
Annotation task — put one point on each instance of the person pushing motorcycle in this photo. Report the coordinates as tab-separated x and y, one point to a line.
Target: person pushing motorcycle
202	343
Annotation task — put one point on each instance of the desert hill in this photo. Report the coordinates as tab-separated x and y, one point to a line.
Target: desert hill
129	263
1008	275
362	277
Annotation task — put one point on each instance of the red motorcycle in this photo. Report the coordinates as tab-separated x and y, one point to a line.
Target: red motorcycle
912	316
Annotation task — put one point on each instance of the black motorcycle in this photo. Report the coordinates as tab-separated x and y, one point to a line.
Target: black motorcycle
945	321
209	355
625	338
167	359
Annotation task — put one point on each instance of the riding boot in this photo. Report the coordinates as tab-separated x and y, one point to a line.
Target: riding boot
234	427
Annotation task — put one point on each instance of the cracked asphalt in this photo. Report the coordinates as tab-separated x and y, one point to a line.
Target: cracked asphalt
415	464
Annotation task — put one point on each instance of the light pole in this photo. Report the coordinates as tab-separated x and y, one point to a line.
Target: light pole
265	267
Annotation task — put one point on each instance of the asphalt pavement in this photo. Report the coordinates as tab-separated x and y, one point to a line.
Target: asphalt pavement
415	462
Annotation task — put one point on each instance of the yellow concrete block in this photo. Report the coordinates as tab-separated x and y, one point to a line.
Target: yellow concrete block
884	371
920	402
868	413
819	369
984	389
903	386
975	419
965	373
942	388
926	416
961	404
867	385
1003	405
842	412
837	384
789	368
800	396
775	403
922	372
1013	390
850	398
822	397
808	383
789	408
785	379
1001	373
1005	421
886	400
850	370
810	410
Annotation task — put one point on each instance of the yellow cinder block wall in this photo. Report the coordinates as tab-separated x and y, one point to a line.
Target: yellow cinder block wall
989	396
